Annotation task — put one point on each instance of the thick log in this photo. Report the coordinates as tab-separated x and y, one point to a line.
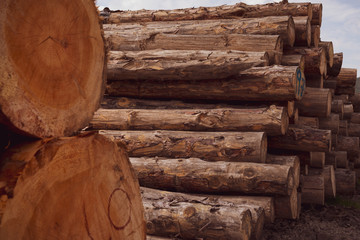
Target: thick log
317	14
317	159
315	103
336	68
313	189
303	139
343	128
355	117
349	144
44	179
354	129
331	159
181	64
315	59
330	83
346	78
337	106
211	146
330	123
348	111
329	179
274	83
312	122
197	176
345	181
287	206
272	120
51	84
355	100
341	159
281	25
292	161
302	31
329	51
297	60
315	35
315	81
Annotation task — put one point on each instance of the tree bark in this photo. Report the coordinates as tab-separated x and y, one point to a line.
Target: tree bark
330	123
337	106
329	179
312	122
313	191
343	128
329	52
336	68
315	103
317	14
297	60
274	83
315	35
346	78
292	161
197	176
345	181
45	181
210	146
48	74
355	100
272	120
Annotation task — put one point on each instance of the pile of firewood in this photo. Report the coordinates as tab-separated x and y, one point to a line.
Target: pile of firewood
232	116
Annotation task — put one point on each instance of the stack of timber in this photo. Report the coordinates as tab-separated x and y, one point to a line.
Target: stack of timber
225	110
52	70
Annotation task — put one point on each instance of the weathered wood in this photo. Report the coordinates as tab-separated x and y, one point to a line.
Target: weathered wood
330	123
47	72
279	25
343	97
274	83
292	161
341	159
345	181
349	144
355	100
317	14
315	81
297	60
287	206
330	83
317	159
302	31
333	140
336	68
329	179
312	122
272	120
197	176
45	181
355	117
315	103
329	52
346	78
211	146
348	111
313	190
343	128
315	35
345	90
303	139
354	130
331	159
337	106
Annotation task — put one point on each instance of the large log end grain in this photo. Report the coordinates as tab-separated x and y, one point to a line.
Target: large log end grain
302	31
80	187
315	35
315	103
52	66
313	189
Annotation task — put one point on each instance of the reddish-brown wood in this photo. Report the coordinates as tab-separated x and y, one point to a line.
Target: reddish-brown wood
315	35
345	181
329	51
317	14
302	31
336	68
313	189
331	123
315	103
329	179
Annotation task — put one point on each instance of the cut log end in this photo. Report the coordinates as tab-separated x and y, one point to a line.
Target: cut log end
291	32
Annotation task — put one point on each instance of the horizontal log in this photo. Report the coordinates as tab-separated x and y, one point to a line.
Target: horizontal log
297	60
272	120
312	122
329	179
193	175
315	35
315	103
317	14
343	128
334	140
355	100
329	52
210	146
348	111
336	68
286	207
345	181
303	139
332	122
349	144
355	117
346	78
341	159
313	190
292	161
302	31
274	83
337	106
343	97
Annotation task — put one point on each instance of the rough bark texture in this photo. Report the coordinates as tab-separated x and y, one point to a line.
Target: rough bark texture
210	146
345	181
355	99
330	123
51	84
355	117
317	14
313	191
174	65
312	122
329	51
272	120
292	161
349	144
303	139
50	199
329	179
297	60
336	68
274	83
302	31
315	35
337	106
315	103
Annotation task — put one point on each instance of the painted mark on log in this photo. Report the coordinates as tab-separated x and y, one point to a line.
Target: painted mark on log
87	223
119	227
300	83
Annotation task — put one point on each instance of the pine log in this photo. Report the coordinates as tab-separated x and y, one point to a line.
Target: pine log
51	84
317	14
336	68
315	59
315	35
313	191
181	64
317	159
302	31
315	103
315	81
45	183
343	128
331	159
303	139
345	181
329	51
349	144
330	123
274	83
337	106
348	111
286	207
329	179
312	122
355	117
279	25
297	60
272	120
346	78
194	175
210	146
355	100
292	161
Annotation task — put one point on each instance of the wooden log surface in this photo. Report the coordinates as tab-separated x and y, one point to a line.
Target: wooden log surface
348	111
345	181
355	100
355	117
349	144
346	78
51	83
297	60
315	35
317	159
354	130
343	128
312	122
302	31
286	207
330	82
337	106
331	159
44	179
214	146
329	179
341	159
317	9
345	90
313	189
292	161
194	175
329	52
315	81
336	68
315	103
330	123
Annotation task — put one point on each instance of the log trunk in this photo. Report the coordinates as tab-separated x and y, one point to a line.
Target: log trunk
315	59
197	176
329	52
282	25
302	31
346	78
344	98
354	130
317	14
349	144
315	35
333	140
343	128
341	159
348	111
330	83
303	139
50	90
175	65
211	146
297	60
331	159
336	68
292	161
355	100
330	123
315	103
345	182
272	120
275	83
317	159
52	174
345	90
329	179
337	106
313	191
308	121
355	117
315	81
287	206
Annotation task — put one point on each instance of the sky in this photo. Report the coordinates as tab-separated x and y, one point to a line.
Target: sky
340	23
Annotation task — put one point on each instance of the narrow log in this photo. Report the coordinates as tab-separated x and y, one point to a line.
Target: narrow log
315	35
303	139
330	123
279	25
59	167
348	111
329	51
287	206
345	181
315	103
336	68
312	122
337	106
315	81
329	179
214	146
343	128
302	31
355	117
355	100
197	176
349	144
292	161
331	159
297	60
42	87
317	14
346	78
274	83
317	159
272	120
313	191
